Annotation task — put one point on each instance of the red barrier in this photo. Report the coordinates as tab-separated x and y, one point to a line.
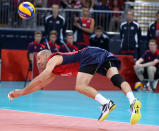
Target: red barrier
14	65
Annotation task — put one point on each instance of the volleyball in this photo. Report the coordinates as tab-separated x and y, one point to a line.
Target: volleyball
138	85
26	10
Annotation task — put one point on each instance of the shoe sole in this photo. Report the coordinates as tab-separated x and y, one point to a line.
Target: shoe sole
106	115
137	115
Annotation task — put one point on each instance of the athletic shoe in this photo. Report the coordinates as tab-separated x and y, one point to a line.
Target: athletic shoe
135	112
105	110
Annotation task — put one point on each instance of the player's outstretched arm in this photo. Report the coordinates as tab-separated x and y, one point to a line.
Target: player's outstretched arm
39	82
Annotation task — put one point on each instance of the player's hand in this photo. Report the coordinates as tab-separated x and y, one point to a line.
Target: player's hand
14	94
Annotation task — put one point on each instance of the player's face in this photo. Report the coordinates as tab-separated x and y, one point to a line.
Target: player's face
98	33
85	12
152	47
53	38
130	16
55	9
70	39
38	37
42	60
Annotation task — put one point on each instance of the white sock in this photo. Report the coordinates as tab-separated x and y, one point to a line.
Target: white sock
101	99
130	97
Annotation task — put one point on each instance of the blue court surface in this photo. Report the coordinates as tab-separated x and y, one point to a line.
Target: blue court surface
72	103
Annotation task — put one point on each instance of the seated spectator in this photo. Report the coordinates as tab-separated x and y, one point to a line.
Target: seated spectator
116	18
70	44
100	38
147	67
35	46
53	46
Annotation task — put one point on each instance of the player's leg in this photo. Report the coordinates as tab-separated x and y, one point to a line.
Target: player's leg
83	79
117	80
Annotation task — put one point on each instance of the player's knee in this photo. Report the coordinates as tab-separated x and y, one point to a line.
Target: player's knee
151	68
117	80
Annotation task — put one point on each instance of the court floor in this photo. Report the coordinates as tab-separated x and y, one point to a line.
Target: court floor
75	105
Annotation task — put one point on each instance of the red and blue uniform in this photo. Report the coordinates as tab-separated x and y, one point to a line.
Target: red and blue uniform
73	61
83	37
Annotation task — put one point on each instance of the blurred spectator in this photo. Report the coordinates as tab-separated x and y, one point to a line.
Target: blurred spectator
153	30
53	2
120	4
116	19
130	34
73	4
100	38
102	6
53	46
88	3
35	46
102	16
147	67
55	22
84	26
40	3
4	11
69	44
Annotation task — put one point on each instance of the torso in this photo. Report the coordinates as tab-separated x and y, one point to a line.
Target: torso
74	60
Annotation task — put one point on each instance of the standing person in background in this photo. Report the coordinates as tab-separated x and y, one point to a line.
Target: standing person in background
69	43
116	17
84	26
153	30
100	38
53	46
130	34
55	22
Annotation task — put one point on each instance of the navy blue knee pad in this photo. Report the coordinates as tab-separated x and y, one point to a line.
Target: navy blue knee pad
117	80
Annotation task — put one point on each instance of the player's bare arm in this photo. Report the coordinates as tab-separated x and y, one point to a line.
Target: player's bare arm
41	80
